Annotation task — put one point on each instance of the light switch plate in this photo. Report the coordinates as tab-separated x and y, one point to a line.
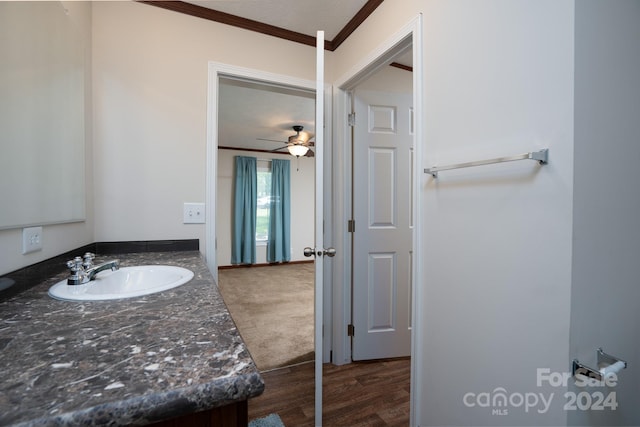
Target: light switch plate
31	239
193	213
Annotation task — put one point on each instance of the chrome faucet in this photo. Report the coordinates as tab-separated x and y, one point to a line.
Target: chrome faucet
83	271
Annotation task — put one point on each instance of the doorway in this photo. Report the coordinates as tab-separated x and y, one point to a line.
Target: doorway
322	110
382	235
407	37
400	47
271	303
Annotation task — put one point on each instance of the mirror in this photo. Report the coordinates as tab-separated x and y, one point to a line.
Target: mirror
42	115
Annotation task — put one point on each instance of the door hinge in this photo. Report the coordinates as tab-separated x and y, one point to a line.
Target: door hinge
351	330
351	118
351	226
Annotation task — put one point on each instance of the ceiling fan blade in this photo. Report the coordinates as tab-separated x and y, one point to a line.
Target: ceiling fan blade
271	140
279	148
309	153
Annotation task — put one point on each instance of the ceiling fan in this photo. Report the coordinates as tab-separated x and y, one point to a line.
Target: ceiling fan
298	144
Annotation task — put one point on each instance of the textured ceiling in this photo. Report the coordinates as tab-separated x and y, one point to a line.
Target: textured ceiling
302	16
247	111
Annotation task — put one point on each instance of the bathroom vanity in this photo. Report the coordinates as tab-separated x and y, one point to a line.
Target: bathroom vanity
170	358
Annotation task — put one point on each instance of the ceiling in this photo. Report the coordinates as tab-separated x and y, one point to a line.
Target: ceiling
295	20
301	16
249	112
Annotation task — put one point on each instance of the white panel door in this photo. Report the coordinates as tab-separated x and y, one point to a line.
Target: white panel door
382	259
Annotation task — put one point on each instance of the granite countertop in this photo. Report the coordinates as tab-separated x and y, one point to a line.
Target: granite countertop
122	362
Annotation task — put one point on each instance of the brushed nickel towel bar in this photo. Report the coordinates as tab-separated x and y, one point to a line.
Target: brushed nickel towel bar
540	156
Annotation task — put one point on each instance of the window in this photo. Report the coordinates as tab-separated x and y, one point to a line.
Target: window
264	200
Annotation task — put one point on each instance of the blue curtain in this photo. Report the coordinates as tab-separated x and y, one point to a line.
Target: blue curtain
279	241
243	244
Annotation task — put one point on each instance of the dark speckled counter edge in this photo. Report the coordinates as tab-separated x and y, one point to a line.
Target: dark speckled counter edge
162	406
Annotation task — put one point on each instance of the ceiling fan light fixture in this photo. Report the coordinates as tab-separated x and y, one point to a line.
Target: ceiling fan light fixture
297	150
293	139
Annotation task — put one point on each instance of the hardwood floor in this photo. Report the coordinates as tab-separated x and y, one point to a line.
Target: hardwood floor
358	394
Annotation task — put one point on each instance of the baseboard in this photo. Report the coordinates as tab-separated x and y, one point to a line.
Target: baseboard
270	264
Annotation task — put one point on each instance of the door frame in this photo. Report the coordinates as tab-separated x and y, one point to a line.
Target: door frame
411	33
216	70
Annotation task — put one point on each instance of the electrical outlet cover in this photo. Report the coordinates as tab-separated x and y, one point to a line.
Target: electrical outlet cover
31	239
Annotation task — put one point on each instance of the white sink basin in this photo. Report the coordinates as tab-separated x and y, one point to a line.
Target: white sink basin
126	282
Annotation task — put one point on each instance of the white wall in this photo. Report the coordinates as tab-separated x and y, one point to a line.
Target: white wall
387	19
497	240
146	138
302	205
150	91
605	291
391	79
59	238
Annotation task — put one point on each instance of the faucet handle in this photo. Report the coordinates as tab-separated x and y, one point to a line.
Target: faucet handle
77	271
88	260
75	264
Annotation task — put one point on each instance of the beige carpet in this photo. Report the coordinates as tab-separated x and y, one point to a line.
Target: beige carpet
273	310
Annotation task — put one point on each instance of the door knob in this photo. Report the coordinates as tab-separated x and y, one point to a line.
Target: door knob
330	252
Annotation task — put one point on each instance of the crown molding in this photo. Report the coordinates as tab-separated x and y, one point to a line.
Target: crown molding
261	27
